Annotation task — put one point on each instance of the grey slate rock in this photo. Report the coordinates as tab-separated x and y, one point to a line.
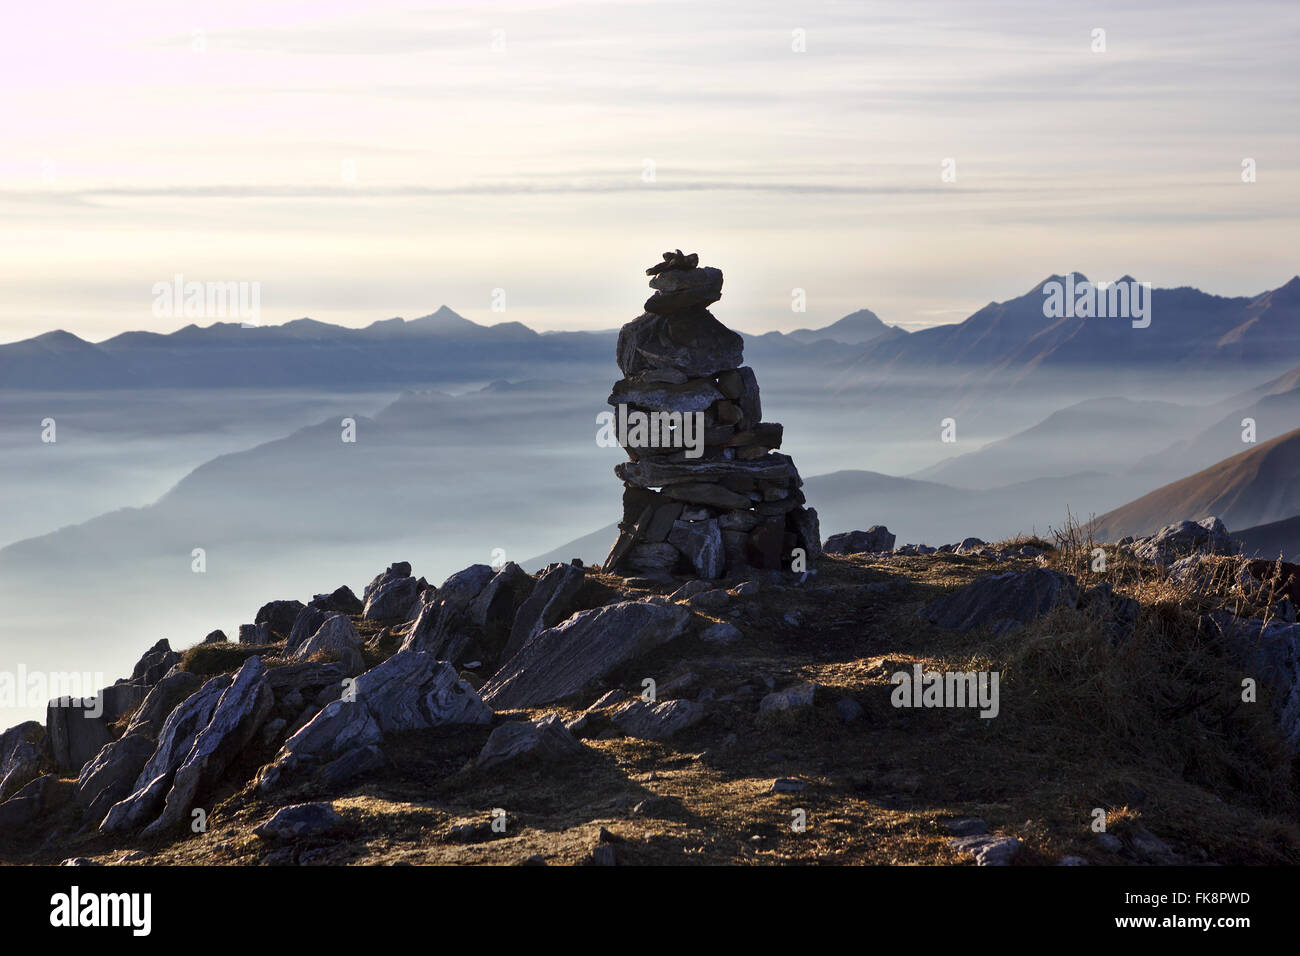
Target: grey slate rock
875	539
999	600
545	739
301	821
551	601
657	721
563	660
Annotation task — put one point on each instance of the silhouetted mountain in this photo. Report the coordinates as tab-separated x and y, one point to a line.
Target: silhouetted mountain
443	347
856	328
1255	487
1189	330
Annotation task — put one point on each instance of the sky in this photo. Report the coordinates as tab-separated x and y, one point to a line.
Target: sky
527	161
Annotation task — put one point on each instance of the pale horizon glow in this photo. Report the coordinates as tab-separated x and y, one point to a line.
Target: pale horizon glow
365	163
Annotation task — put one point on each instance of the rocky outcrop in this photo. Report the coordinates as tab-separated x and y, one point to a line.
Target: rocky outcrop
22	756
549	603
300	821
411	690
874	540
238	715
562	660
1207	536
279	616
199	737
658	721
442	616
110	775
1000	601
705	492
338	640
155	663
545	739
77	728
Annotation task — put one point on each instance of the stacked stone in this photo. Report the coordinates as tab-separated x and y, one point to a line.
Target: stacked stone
738	505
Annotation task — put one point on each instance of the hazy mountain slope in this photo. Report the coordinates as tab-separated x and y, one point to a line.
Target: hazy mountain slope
1275	410
1094	435
1272	540
1257	486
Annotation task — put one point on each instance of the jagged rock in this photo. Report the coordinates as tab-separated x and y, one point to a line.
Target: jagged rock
280	615
305	679
551	601
721	633
544	739
694	343
256	634
1001	600
410	691
463	587
77	728
237	716
307	623
439	626
395	571
657	721
156	662
163	698
989	849
337	638
175	741
701	543
300	821
341	601
216	637
799	697
563	660
391	599
22	756
875	539
110	774
350	765
500	599
969	545
1209	535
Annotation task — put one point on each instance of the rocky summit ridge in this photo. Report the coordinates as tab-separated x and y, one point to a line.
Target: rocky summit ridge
727	688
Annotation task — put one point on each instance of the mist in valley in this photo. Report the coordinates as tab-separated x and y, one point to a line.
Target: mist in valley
100	529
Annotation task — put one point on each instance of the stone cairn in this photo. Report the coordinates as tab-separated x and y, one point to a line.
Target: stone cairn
732	507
